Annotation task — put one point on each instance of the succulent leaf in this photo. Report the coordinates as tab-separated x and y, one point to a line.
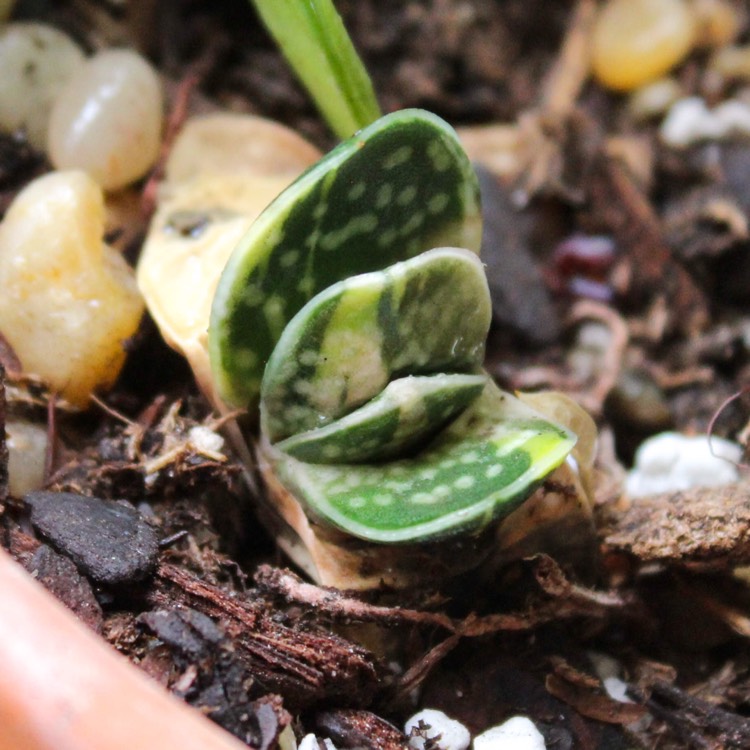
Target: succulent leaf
425	315
477	470
399	187
405	414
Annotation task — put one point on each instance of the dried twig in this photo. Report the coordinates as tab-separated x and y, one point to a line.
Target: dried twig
593	399
568	600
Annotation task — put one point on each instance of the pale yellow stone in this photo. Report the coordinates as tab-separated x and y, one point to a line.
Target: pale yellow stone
222	172
27	454
107	119
235	144
732	62
637	41
69	302
501	148
654	99
36	61
718	22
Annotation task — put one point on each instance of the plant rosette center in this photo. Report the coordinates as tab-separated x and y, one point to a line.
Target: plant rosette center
354	314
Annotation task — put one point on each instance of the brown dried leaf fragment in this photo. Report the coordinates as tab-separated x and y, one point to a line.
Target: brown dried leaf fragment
709	526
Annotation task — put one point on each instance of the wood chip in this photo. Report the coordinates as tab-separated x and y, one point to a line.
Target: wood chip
705	525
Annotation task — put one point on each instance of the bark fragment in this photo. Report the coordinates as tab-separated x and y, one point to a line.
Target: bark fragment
703	525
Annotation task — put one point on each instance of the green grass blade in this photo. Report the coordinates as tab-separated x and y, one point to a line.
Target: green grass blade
316	44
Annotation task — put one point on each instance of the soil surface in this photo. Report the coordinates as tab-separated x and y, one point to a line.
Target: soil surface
620	275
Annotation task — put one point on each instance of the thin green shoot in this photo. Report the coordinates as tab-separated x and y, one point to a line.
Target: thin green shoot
315	42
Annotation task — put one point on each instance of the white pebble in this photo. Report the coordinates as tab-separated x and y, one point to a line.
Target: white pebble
453	735
518	733
310	742
684	123
107	119
205	439
670	462
36	60
690	121
27	452
616	689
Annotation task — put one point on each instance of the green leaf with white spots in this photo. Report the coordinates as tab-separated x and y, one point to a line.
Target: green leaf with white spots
399	187
404	415
477	470
425	315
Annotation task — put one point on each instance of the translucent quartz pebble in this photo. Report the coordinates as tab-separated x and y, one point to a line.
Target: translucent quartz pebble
107	119
637	41
670	462
36	61
27	450
69	301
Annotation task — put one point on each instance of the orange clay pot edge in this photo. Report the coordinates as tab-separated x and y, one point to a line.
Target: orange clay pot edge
63	688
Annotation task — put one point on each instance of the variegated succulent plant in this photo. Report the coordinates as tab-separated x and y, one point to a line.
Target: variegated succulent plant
354	313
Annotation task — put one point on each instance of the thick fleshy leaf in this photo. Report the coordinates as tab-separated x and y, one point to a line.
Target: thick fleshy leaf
428	314
405	414
477	470
399	187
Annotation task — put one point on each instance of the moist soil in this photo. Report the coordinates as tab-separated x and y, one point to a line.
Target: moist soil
620	275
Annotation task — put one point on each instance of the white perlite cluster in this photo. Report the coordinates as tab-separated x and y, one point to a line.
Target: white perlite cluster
310	742
690	121
452	734
670	462
608	670
518	733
